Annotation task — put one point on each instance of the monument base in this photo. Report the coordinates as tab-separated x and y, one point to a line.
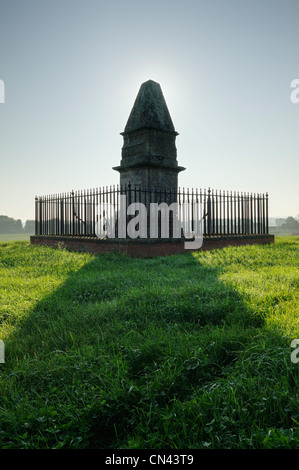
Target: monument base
144	247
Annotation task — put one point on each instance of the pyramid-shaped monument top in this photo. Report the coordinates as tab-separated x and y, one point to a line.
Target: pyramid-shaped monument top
150	110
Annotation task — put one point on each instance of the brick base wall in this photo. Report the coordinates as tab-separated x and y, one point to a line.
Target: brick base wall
143	248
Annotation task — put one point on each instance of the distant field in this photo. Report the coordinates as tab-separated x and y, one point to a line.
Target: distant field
282	234
191	351
15	237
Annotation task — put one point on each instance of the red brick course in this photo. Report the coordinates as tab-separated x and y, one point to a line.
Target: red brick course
143	248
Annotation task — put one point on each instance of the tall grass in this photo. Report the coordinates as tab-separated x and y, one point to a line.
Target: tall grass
188	351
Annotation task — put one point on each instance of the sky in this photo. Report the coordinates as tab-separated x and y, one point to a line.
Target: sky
72	70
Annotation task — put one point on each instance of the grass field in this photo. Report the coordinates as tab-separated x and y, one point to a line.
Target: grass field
189	351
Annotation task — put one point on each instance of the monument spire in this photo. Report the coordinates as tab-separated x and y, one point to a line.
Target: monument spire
149	156
150	110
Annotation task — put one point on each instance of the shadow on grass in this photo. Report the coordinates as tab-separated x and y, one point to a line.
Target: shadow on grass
117	338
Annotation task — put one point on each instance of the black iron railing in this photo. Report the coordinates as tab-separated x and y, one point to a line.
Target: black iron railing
223	213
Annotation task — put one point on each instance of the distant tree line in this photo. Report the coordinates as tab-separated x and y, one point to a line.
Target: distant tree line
290	224
10	225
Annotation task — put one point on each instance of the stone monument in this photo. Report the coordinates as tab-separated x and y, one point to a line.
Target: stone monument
149	155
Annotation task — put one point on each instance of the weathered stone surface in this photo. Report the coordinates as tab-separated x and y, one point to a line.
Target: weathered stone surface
149	155
150	110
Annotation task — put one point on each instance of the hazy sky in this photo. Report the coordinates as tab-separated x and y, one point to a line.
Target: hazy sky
72	70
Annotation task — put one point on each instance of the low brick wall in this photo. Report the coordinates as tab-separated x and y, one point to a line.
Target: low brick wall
143	248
